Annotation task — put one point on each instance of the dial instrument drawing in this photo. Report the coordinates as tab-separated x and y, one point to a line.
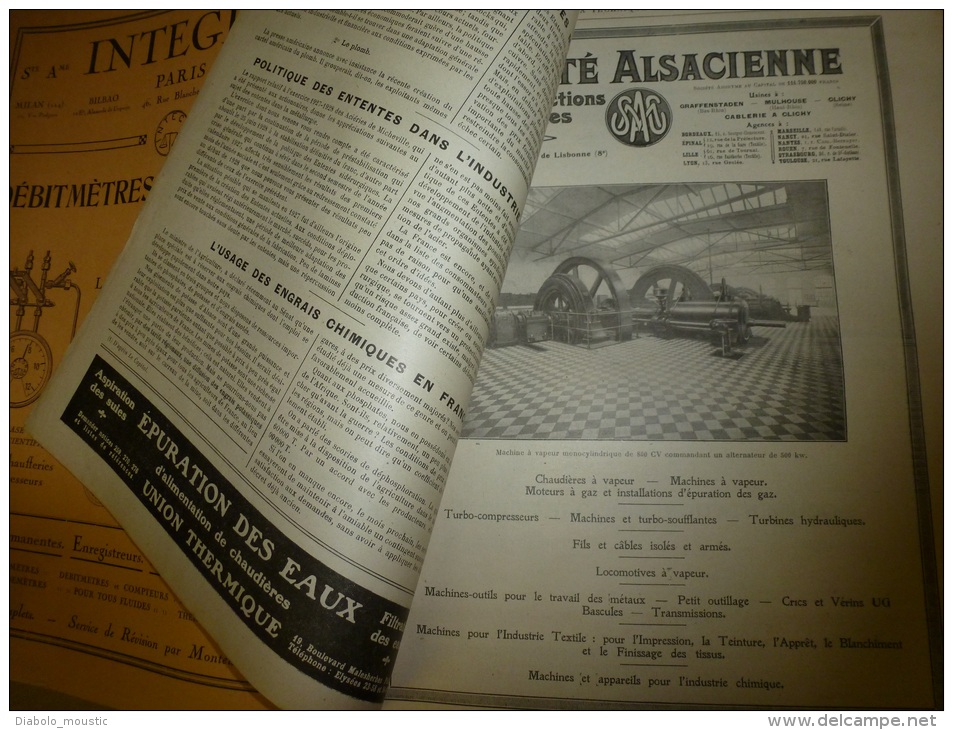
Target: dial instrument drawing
31	359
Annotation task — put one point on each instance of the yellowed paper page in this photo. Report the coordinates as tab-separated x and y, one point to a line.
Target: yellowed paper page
96	102
271	386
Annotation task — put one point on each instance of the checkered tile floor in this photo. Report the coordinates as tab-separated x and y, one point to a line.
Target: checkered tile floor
788	385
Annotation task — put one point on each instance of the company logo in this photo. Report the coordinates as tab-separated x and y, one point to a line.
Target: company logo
167	131
638	117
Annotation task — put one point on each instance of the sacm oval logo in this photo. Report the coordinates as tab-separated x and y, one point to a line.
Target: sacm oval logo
638	117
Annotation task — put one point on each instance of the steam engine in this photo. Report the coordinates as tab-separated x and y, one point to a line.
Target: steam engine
666	301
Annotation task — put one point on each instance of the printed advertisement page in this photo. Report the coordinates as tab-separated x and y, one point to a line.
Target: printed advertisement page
690	472
269	392
96	102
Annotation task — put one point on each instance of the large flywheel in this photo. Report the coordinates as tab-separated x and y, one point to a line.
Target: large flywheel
605	291
564	293
666	285
567	302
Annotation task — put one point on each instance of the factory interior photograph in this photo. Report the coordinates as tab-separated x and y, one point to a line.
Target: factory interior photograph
667	312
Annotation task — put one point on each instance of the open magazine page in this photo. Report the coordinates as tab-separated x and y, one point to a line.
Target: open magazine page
271	387
691	473
96	101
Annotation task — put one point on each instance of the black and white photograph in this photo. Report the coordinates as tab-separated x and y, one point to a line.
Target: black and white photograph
696	312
